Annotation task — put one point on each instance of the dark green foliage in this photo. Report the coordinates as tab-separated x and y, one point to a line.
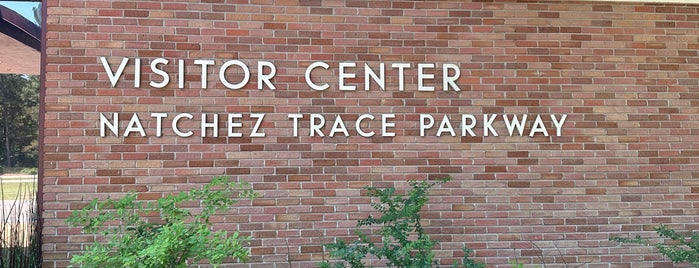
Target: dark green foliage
467	262
684	248
19	120
403	241
163	233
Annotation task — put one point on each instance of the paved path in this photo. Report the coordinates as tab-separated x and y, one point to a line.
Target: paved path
17	181
17	177
11	210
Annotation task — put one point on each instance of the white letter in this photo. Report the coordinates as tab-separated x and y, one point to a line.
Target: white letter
158	123
180	74
385	125
213	125
358	126
134	125
450	80
296	118
308	75
559	124
204	72
380	79
422	76
177	120
255	130
154	68
445	126
538	126
342	75
315	128
339	126
515	123
488	125
114	77
137	73
423	123
468	127
401	68
232	125
222	74
104	122
262	77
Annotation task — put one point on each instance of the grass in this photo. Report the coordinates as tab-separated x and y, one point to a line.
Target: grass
16	190
18	187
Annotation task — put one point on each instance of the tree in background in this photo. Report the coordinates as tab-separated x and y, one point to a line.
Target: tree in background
37	13
19	120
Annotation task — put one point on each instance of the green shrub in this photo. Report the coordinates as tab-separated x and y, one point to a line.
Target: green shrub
403	241
29	171
684	248
161	234
467	262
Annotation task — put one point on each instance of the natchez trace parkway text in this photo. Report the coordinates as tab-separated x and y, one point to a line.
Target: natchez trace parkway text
319	125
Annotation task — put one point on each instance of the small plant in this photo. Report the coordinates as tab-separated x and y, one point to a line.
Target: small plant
403	241
683	249
467	262
163	233
515	264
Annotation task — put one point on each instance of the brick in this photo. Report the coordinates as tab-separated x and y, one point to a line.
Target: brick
623	73
518	184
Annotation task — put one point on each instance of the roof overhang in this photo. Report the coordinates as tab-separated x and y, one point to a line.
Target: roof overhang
20	44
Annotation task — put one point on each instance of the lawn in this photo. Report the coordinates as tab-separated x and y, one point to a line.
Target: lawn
18	183
13	190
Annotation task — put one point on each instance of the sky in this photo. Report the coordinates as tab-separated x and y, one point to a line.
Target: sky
23	8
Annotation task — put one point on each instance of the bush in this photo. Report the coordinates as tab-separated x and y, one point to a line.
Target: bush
29	171
174	237
403	241
684	248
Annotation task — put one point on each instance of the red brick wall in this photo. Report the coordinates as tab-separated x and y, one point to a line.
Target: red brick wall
625	74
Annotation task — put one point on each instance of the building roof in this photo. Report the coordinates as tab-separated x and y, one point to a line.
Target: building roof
20	44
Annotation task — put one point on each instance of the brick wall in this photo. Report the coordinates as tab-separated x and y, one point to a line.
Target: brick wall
624	74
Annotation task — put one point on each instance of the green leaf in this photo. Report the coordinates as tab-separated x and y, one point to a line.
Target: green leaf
173	239
678	247
404	242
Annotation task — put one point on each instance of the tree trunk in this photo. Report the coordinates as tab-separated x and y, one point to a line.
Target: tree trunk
5	121
8	152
